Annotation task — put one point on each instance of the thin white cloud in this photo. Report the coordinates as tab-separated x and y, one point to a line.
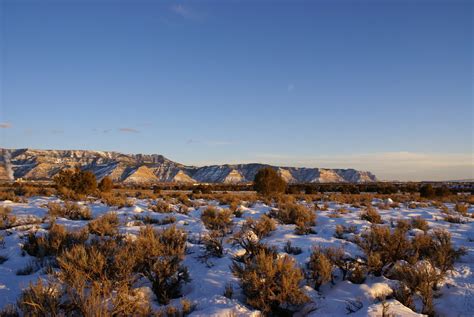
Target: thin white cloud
5	125
186	12
218	143
291	87
128	130
191	141
209	142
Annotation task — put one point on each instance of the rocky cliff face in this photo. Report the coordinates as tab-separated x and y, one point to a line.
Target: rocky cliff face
139	168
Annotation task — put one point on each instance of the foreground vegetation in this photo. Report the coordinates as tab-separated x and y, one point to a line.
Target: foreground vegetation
116	251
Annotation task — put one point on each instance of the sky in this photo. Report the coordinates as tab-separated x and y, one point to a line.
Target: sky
384	86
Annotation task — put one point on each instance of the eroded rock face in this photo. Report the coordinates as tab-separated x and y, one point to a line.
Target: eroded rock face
140	168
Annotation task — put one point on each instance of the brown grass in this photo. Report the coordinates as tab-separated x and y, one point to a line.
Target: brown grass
370	214
105	225
69	210
217	220
292	213
271	284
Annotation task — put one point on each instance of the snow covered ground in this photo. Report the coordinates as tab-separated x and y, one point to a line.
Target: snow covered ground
209	278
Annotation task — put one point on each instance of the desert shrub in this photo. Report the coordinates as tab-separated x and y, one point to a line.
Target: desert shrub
54	242
85	286
40	299
394	205
161	206
383	246
160	256
238	212
69	194
270	283
183	199
374	263
155	221
268	182
217	220
404	225
383	206
420	279
319	268
81	182
121	256
80	263
290	249
105	225
127	301
443	208
229	290
338	258
9	310
93	280
291	213
213	243
442	252
280	200
427	191
173	241
70	210
412	205
4	211
453	219
419	223
97	279
229	199
342	211
148	247
7	220
116	200
461	208
233	206
167	275
250	242
404	295
172	311
324	207
341	230
106	184
261	227
358	274
442	191
9	195
26	191
371	215
183	209
145	195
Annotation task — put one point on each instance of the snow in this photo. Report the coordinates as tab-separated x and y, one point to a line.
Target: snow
210	277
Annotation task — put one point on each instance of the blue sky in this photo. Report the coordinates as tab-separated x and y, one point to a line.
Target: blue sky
383	85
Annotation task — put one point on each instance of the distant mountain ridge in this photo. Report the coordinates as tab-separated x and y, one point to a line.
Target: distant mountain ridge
34	164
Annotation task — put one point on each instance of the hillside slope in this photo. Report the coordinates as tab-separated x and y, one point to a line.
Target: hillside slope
140	168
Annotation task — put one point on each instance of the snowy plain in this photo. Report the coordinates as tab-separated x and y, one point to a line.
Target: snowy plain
209	278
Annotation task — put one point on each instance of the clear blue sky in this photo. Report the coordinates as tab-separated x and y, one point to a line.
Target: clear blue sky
382	85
